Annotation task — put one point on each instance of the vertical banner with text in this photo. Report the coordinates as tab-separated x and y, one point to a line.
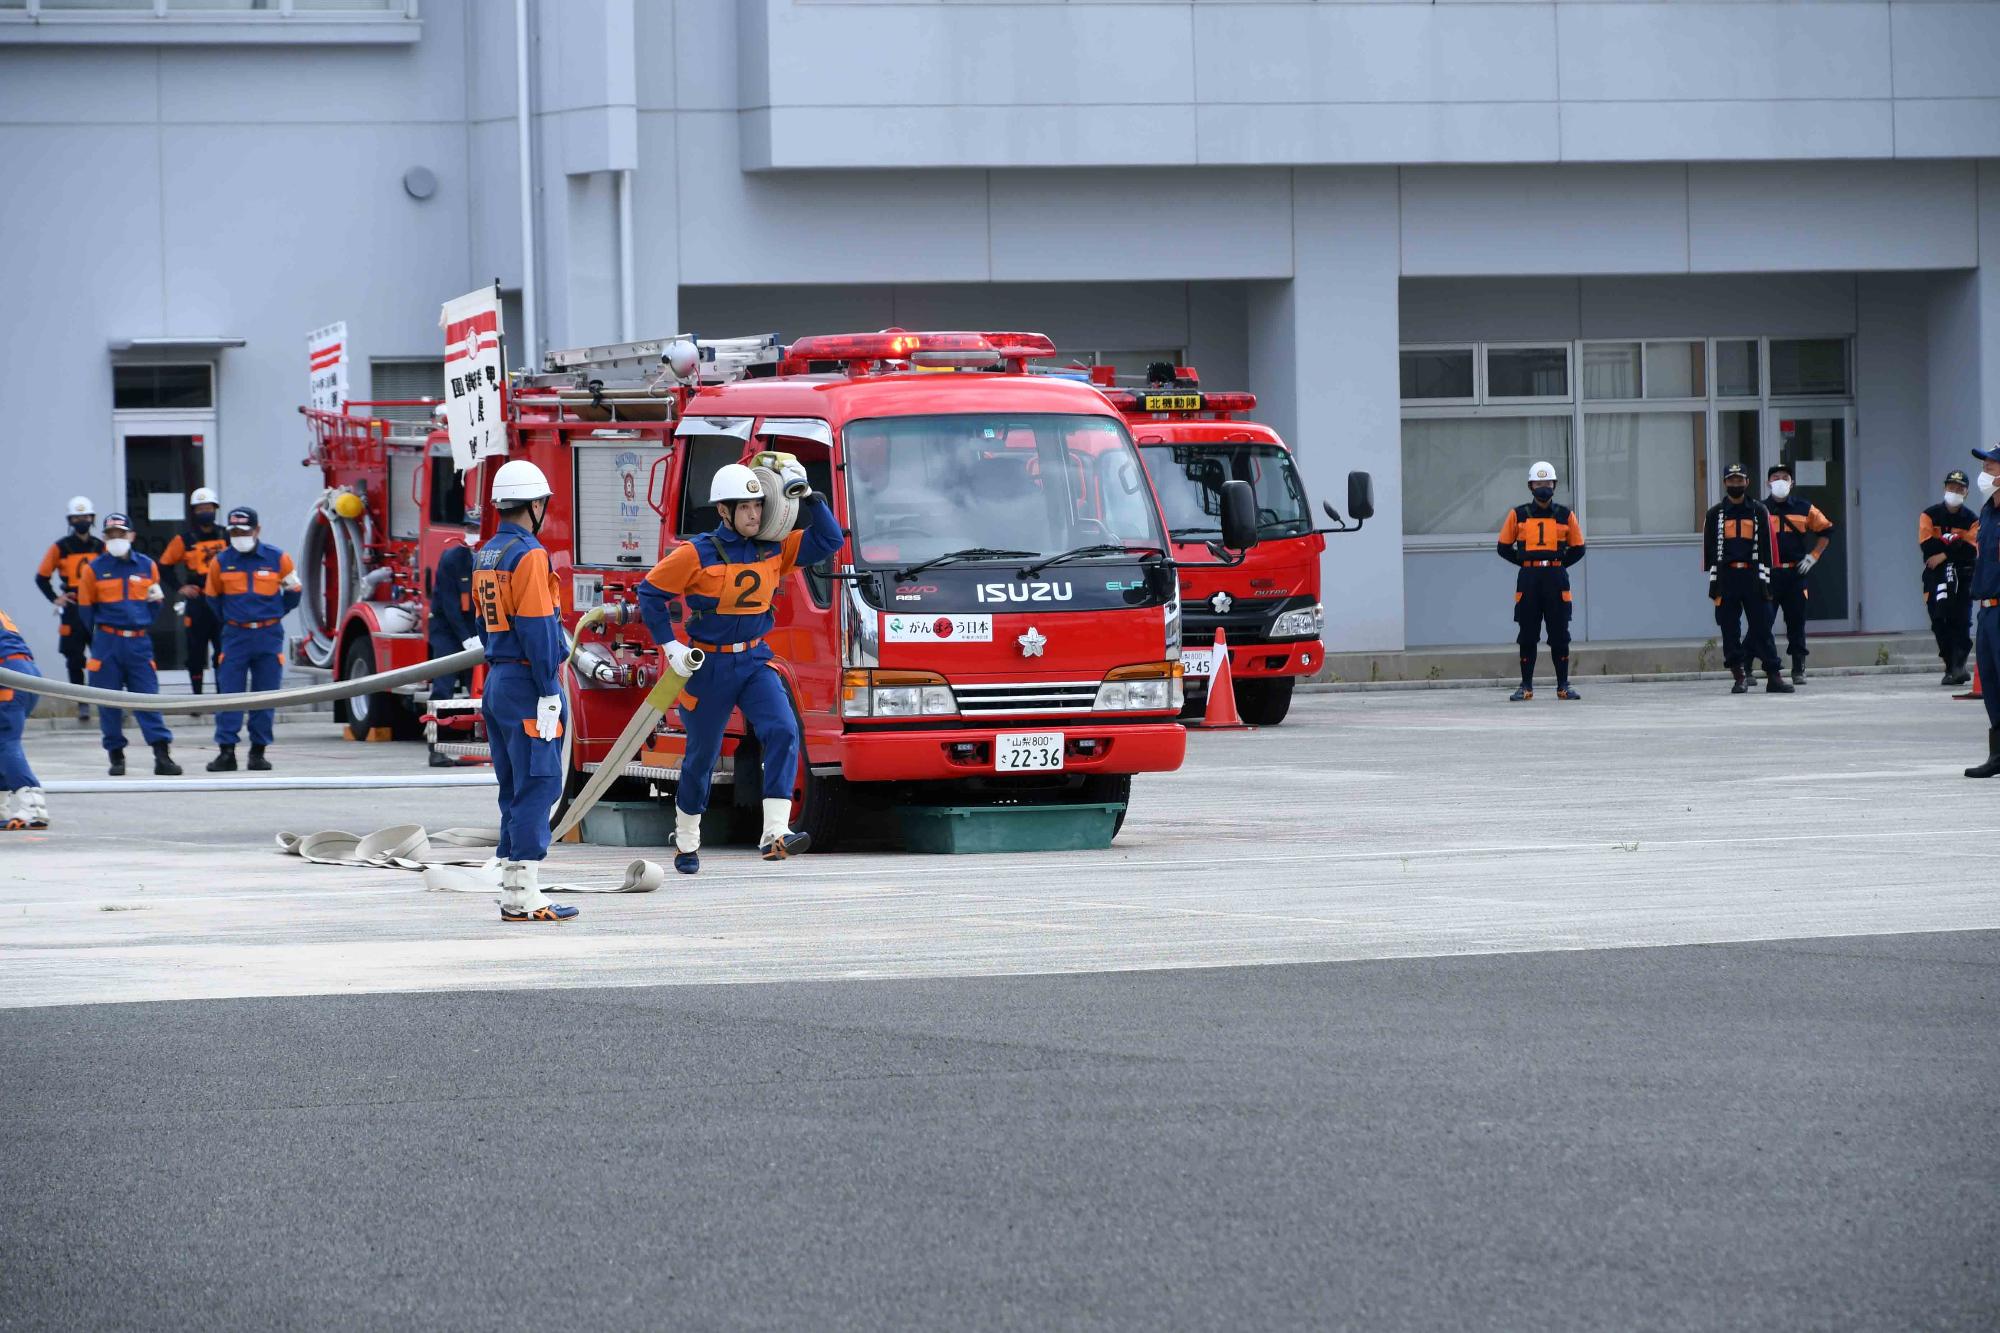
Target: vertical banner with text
472	331
326	360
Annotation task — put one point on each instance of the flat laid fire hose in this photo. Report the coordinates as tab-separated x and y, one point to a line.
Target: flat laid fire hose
233	703
645	717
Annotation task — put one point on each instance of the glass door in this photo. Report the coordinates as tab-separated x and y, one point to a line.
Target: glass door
162	457
1813	443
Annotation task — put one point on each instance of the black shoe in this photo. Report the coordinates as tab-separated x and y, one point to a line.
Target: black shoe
1563	691
163	762
258	763
1742	685
194	684
1992	764
224	761
1798	671
1948	678
117	763
1525	692
442	760
1776	682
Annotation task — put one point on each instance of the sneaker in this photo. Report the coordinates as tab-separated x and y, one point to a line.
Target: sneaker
688	863
546	912
780	849
1563	691
1520	695
442	760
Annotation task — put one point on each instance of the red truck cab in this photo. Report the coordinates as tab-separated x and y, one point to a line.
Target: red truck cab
1268	605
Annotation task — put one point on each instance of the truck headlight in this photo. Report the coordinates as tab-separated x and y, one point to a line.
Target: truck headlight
1304	623
1149	687
866	693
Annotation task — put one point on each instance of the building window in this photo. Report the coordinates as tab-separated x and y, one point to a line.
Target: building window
1644	472
402	379
1736	368
1808	367
1676	370
145	386
1612	370
1461	473
1438	374
1515	373
204	22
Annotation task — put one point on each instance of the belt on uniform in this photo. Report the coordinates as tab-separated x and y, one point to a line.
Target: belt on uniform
1786	565
254	624
1741	564
1539	564
16	657
743	647
1990	601
127	633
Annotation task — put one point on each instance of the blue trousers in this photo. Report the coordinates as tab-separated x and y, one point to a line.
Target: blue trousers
14	709
725	683
528	768
1988	645
125	664
251	656
441	644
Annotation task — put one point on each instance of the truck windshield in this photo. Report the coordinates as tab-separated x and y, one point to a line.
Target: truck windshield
919	487
1189	480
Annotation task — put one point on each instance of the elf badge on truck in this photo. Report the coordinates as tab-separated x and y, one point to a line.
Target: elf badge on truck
1268	605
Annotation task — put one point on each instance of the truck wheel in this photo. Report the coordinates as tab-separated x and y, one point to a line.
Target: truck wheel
1264	703
369	712
824	810
1105	789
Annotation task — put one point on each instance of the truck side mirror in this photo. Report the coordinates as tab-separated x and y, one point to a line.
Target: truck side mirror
1239	516
1360	496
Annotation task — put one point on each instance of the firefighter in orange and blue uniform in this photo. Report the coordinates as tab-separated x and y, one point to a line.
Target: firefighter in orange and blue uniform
1948	536
1544	539
453	626
726	578
1986	605
519	606
22	804
116	594
1798	524
190	553
1736	546
253	587
58	576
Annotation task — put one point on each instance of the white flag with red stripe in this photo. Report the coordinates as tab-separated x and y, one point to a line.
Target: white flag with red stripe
326	360
472	331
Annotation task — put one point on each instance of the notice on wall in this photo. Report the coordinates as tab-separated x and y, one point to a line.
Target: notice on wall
326	360
472	334
1809	472
165	507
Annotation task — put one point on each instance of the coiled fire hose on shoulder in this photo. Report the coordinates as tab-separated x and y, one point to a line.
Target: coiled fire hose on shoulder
294	697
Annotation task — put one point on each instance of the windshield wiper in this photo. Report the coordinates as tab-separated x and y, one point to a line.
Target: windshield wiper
1189	532
950	557
1095	548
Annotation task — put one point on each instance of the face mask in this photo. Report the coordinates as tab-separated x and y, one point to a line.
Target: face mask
1543	492
1735	492
244	544
204	518
1985	480
471	541
119	546
79	525
1780	489
1952	499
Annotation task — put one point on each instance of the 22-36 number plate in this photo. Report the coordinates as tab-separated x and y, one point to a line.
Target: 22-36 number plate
1027	751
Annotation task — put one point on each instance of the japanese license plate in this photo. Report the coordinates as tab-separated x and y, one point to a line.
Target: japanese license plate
1197	661
1027	751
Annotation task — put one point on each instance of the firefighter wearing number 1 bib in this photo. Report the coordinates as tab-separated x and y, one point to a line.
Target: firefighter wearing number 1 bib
727	578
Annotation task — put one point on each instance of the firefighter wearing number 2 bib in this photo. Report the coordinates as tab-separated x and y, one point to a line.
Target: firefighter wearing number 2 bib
727	578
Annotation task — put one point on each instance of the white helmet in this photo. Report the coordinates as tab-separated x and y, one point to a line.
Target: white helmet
682	359
80	507
519	481
1542	472
204	496
733	481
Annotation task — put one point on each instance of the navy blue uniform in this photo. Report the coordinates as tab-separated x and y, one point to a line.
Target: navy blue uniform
727	582
116	597
516	597
1799	526
252	601
452	621
15	706
1954	534
1736	551
1986	597
1544	540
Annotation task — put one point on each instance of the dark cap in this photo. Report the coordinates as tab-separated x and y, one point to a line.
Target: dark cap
1735	470
1956	478
117	521
242	517
1988	455
1775	469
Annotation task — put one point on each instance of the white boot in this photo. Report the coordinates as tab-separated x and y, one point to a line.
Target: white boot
12	816
521	895
37	803
687	831
778	841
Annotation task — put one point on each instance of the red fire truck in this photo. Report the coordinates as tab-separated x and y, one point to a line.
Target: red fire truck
1268	605
1002	626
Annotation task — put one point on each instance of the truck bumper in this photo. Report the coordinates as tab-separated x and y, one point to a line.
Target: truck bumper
925	756
1255	661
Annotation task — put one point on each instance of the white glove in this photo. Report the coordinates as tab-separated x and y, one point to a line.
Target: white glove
793	474
474	644
1806	564
676	655
156	594
548	716
290	583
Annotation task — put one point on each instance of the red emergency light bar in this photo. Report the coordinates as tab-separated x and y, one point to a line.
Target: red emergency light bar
919	349
1175	402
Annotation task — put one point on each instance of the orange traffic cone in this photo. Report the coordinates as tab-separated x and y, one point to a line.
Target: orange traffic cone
1221	714
1973	693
